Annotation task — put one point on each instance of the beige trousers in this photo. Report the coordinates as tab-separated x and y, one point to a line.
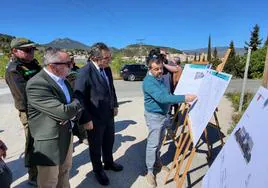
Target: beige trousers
56	176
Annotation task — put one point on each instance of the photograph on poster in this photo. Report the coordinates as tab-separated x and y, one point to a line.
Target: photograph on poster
245	142
199	75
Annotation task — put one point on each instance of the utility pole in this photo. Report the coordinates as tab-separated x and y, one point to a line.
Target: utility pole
140	42
245	80
265	72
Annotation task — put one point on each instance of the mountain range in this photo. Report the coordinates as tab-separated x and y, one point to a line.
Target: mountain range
138	49
220	49
67	43
130	50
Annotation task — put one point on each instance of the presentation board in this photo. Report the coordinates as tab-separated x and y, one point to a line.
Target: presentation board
192	76
209	86
242	162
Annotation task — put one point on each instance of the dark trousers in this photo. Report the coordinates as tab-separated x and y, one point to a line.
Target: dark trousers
29	141
101	141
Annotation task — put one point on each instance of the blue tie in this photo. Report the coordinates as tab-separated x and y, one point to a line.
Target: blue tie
104	76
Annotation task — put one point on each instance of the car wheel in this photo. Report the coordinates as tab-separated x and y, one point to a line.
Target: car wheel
131	77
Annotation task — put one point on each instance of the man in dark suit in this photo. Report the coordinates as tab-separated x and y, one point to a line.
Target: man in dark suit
52	111
94	85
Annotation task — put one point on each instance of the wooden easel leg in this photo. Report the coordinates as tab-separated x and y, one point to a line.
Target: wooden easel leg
181	142
177	126
218	127
178	168
189	162
209	149
176	157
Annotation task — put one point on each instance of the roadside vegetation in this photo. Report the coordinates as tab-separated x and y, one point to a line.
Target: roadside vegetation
3	63
235	98
117	63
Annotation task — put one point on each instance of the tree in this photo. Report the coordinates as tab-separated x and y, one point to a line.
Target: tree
234	65
256	66
204	58
187	60
232	53
266	42
209	49
215	60
215	53
195	56
255	41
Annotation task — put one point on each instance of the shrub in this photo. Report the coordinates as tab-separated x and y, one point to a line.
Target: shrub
235	99
117	63
3	63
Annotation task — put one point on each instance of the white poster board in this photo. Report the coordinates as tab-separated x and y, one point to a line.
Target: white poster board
243	161
209	86
191	77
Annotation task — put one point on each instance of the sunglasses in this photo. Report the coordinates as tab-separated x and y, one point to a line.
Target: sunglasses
68	63
27	50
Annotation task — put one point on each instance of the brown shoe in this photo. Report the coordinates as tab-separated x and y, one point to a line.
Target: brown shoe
151	179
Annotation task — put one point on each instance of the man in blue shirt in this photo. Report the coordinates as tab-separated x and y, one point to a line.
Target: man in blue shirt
157	100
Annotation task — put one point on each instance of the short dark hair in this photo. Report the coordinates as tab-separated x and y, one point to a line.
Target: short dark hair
154	51
96	50
155	60
154	56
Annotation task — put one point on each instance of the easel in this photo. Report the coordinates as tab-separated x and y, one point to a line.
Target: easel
219	68
185	139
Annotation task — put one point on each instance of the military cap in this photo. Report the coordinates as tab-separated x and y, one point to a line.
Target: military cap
21	43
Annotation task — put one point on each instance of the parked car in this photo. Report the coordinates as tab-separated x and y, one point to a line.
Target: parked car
133	72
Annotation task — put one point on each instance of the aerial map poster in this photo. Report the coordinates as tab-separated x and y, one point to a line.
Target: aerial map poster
209	86
243	160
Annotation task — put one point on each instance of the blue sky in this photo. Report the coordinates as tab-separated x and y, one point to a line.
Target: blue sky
174	23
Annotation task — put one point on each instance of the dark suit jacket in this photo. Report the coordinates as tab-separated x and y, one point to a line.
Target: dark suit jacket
47	107
98	98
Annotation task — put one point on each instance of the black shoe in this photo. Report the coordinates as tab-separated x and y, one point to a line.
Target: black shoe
114	167
32	182
102	177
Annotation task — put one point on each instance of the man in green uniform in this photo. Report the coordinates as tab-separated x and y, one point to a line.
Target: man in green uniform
18	72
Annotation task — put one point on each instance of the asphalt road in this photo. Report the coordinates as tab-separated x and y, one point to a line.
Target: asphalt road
127	89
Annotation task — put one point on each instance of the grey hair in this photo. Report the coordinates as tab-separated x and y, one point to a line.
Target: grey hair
96	50
51	55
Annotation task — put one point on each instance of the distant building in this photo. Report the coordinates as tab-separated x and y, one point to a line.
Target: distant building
80	58
183	57
140	59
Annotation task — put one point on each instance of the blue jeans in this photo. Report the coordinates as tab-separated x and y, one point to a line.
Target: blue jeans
156	125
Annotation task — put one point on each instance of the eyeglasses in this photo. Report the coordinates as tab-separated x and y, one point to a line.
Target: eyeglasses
68	63
27	50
